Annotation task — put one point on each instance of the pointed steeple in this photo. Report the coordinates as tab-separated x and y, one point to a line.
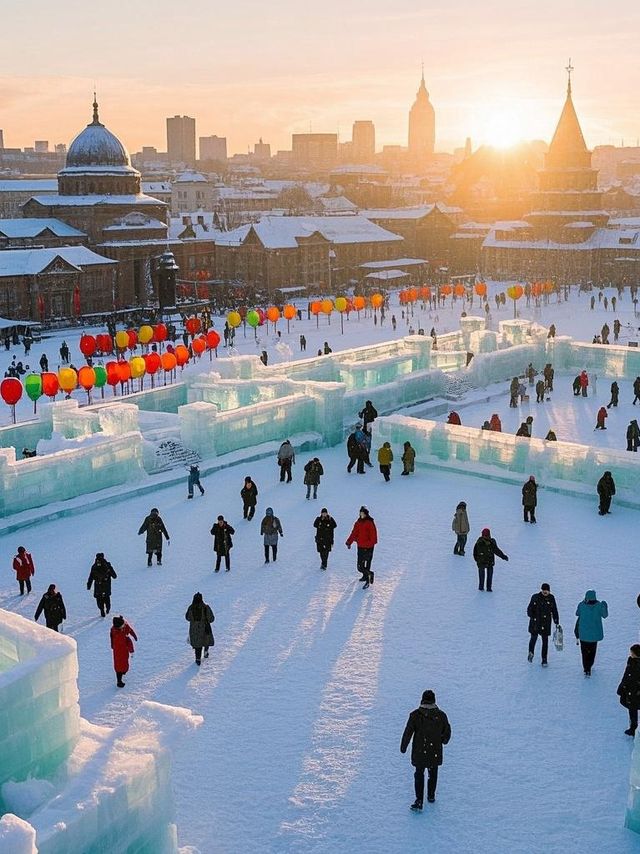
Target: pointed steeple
96	118
568	148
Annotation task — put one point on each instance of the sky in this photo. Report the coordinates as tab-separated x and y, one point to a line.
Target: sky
494	70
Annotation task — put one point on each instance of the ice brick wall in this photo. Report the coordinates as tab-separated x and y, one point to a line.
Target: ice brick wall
39	711
632	814
558	461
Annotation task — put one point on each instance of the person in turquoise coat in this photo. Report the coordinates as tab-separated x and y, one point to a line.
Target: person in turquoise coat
590	613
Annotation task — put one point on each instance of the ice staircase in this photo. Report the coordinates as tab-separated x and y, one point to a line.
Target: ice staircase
456	385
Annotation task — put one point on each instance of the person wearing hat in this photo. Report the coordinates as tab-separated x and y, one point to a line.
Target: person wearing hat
249	495
460	527
200	616
365	535
542	610
24	569
530	499
222	542
429	729
271	529
629	688
606	490
100	577
325	525
385	458
52	604
588	629
313	471
154	528
484	553
122	646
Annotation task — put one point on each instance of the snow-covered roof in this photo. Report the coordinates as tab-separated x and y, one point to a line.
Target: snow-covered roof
129	223
283	232
395	262
30	262
190	177
416	212
337	204
30	185
35	227
90	201
601	238
386	275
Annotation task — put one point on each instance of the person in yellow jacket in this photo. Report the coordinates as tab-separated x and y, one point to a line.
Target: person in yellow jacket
385	458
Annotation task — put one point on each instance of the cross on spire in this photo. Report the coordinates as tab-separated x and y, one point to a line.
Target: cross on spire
422	64
569	69
96	120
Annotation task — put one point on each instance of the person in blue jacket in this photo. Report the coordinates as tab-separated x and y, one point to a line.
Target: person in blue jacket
590	613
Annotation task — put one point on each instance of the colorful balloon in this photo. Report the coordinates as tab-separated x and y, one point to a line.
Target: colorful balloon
113	375
68	379
50	384
122	340
233	319
104	343
326	306
481	289
316	307
253	318
181	354
289	312
199	346
124	371
87	377
213	339
133	338
152	362
88	345
11	390
138	367
160	332
341	304
358	303
169	362
193	325
145	334
273	314
459	290
101	376
377	300
33	386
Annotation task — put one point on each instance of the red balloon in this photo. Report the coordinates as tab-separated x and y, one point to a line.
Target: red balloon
124	371
199	345
193	325
87	345
50	384
113	375
105	343
152	362
133	338
160	332
213	339
11	390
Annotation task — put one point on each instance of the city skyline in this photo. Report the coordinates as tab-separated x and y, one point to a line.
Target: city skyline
250	76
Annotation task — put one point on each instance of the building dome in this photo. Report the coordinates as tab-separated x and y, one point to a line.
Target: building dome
98	163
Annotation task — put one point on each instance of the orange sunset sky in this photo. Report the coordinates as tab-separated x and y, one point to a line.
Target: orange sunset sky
495	70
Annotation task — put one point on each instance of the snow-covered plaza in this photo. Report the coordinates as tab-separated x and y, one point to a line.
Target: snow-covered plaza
308	687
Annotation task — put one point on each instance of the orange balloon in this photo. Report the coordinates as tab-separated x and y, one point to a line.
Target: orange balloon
124	371
316	307
481	289
327	306
289	312
273	314
446	290
358	303
459	290
425	292
169	362
87	377
199	346
377	300
515	291
182	355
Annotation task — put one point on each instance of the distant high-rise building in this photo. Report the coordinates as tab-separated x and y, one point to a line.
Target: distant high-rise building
61	148
213	148
422	126
314	150
363	139
262	150
181	140
41	146
1	139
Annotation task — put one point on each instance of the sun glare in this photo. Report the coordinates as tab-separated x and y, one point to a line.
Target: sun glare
503	129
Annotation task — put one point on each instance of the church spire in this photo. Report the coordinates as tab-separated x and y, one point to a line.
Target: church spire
568	148
96	118
569	69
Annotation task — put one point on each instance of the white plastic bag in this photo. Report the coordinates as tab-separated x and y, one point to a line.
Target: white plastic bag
558	638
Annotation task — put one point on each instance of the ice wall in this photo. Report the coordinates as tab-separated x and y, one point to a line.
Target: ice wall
632	814
39	711
16	836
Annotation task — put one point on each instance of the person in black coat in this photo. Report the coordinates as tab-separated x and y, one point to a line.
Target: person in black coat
368	414
429	728
154	528
629	688
484	553
615	392
222	542
100	577
542	611
249	495
530	499
52	604
633	436
606	490
353	450
325	525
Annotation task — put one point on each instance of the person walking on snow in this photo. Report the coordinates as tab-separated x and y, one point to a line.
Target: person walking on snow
222	542
385	458
513	392
540	390
271	529
353	449
100	577
194	480
313	471
122	646
460	527
408	458
576	386
531	373
584	383
325	525
365	535
155	530
485	552
429	729
606	490
249	495
629	688
633	436
530	500
636	390
542	611
52	604
601	417
24	569
368	414
588	629
615	392
286	458
200	616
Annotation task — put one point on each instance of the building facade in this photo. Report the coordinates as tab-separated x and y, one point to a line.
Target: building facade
363	142
213	148
314	151
422	128
181	140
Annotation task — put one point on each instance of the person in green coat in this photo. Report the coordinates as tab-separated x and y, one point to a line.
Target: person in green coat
588	630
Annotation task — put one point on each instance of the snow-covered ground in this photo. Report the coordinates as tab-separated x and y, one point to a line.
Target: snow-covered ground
308	688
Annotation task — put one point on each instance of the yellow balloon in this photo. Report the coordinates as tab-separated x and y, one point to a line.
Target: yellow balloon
145	334
341	304
122	340
68	379
234	319
138	367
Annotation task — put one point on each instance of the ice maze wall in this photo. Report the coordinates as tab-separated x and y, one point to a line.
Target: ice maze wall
67	786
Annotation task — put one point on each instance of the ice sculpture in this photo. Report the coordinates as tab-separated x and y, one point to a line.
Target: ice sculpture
73	787
632	814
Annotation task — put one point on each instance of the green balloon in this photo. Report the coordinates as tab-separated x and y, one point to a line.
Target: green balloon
253	318
33	386
101	375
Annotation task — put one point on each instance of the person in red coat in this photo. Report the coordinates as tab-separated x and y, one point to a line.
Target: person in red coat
122	646
454	418
600	419
24	569
584	383
495	424
365	536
